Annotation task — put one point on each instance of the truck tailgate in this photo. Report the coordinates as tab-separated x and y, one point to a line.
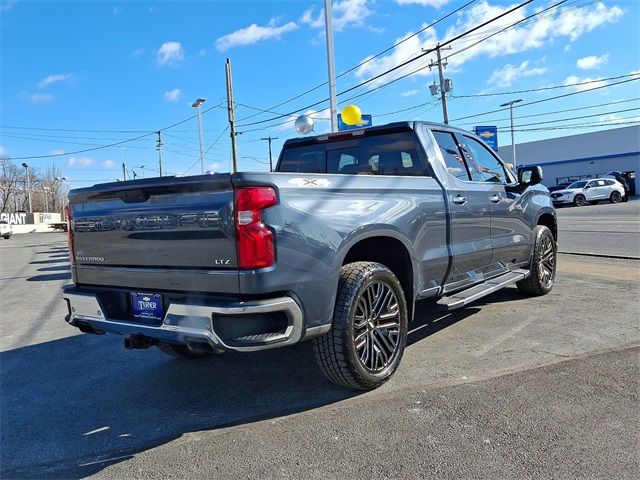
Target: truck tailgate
159	223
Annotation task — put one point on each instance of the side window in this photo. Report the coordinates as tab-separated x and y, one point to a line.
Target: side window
452	158
601	183
609	182
483	166
592	184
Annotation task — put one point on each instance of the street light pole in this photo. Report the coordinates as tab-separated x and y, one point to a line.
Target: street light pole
333	104
513	142
28	186
196	105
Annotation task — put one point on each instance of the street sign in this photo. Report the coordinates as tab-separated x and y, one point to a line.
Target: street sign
366	121
489	135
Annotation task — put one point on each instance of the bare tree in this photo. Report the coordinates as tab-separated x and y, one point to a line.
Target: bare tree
11	179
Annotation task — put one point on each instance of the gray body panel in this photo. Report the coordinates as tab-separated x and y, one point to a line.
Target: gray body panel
316	221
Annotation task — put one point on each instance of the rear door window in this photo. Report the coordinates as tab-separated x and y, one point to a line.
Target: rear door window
452	156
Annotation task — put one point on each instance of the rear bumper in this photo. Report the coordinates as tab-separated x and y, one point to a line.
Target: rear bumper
186	323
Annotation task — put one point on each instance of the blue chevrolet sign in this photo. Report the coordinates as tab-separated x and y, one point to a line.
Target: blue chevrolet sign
366	121
489	135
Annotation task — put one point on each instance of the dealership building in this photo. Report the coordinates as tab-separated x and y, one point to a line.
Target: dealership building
587	155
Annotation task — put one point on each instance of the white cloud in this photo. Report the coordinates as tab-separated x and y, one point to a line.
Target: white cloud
7	5
610	118
109	163
80	161
567	48
410	93
592	62
57	152
567	22
40	98
346	13
424	3
214	167
137	53
202	52
170	53
3	151
507	75
173	95
253	34
595	82
55	78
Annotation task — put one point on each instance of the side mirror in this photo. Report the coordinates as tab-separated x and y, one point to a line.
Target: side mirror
530	175
587	187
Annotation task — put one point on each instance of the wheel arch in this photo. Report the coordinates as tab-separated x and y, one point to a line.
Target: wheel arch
391	252
548	219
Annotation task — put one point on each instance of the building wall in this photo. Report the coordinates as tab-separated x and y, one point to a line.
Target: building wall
581	156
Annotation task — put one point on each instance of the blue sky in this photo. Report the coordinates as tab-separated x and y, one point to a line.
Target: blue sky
80	75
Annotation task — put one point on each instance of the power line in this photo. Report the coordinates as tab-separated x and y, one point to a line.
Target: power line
364	62
506	28
583	125
553	87
556	111
548	99
407	62
53	155
571	118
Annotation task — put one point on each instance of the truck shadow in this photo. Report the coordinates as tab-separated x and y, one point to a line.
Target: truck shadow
73	406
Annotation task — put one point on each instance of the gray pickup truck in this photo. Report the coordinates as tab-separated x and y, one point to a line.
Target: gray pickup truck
335	246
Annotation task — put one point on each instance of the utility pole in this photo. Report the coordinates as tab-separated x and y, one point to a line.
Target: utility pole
232	122
513	142
159	145
270	159
124	172
445	84
28	185
196	105
328	23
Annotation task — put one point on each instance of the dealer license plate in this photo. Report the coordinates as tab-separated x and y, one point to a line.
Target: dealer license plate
147	305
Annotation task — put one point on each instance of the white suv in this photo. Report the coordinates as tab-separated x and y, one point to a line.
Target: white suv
589	191
5	229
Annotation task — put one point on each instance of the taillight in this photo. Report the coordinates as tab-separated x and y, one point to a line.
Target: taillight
72	252
254	239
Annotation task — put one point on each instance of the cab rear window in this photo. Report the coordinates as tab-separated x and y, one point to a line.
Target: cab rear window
389	154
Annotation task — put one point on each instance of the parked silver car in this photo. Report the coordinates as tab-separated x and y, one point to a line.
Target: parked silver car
589	191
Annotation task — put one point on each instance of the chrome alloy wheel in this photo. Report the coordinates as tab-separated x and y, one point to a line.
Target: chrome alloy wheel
376	327
547	263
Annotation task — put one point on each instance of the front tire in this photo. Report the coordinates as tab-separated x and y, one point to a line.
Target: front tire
543	264
615	197
369	333
579	201
7	237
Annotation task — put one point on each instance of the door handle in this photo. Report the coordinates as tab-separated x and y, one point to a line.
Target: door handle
495	198
459	200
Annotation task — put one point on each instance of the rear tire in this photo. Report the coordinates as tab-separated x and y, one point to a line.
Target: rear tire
369	333
7	237
579	201
181	351
543	264
615	197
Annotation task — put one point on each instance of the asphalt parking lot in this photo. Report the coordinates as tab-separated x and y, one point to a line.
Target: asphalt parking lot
510	387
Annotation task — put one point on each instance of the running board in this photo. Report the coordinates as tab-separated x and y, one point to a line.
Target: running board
464	297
